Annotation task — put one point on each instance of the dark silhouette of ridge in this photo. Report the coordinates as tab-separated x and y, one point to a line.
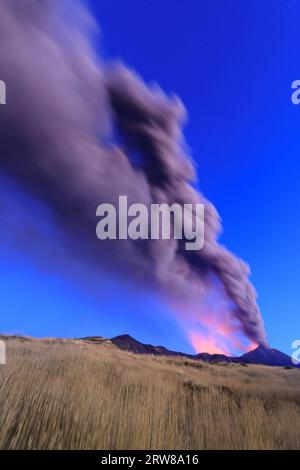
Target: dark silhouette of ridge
260	355
128	343
267	356
207	357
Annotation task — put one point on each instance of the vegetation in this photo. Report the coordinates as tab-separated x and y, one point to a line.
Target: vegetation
68	394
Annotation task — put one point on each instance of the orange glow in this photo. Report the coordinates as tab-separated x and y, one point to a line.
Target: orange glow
216	331
211	327
209	345
251	347
214	343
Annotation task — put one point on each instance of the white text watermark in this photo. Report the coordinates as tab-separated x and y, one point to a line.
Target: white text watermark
2	92
2	353
296	353
295	97
162	221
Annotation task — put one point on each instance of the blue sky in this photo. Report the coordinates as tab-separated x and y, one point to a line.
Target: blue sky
232	63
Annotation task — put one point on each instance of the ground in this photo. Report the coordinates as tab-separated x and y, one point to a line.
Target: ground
69	394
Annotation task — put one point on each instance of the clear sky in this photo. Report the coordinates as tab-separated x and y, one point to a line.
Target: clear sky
232	63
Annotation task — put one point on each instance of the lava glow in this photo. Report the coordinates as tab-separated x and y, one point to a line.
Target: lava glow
214	343
211	327
210	344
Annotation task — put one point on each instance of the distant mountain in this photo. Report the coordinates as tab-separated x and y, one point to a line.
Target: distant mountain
128	343
214	357
267	356
260	355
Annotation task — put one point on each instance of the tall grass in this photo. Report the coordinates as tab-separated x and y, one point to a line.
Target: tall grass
73	395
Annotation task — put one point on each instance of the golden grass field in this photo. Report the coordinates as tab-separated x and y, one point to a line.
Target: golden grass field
68	394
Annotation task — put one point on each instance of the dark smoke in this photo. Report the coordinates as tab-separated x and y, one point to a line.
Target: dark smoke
68	133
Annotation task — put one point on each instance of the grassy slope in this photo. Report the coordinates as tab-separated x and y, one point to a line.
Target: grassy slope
57	394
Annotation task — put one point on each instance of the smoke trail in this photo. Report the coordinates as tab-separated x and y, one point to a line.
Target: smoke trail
61	129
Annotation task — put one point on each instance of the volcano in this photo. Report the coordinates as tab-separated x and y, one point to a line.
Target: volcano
261	355
268	357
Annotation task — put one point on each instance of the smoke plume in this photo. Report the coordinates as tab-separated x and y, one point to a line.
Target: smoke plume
69	135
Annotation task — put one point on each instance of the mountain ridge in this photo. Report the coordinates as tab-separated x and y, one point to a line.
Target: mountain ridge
260	355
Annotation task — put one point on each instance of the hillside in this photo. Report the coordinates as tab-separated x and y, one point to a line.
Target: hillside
260	355
84	394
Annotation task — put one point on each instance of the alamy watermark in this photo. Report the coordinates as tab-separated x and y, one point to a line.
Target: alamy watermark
2	92
295	96
296	353
162	221
2	353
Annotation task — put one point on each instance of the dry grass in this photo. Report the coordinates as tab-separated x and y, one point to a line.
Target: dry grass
73	395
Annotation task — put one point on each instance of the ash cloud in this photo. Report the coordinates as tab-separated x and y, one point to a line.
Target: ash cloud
67	136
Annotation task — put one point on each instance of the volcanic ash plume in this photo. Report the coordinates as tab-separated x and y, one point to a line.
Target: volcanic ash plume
69	134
